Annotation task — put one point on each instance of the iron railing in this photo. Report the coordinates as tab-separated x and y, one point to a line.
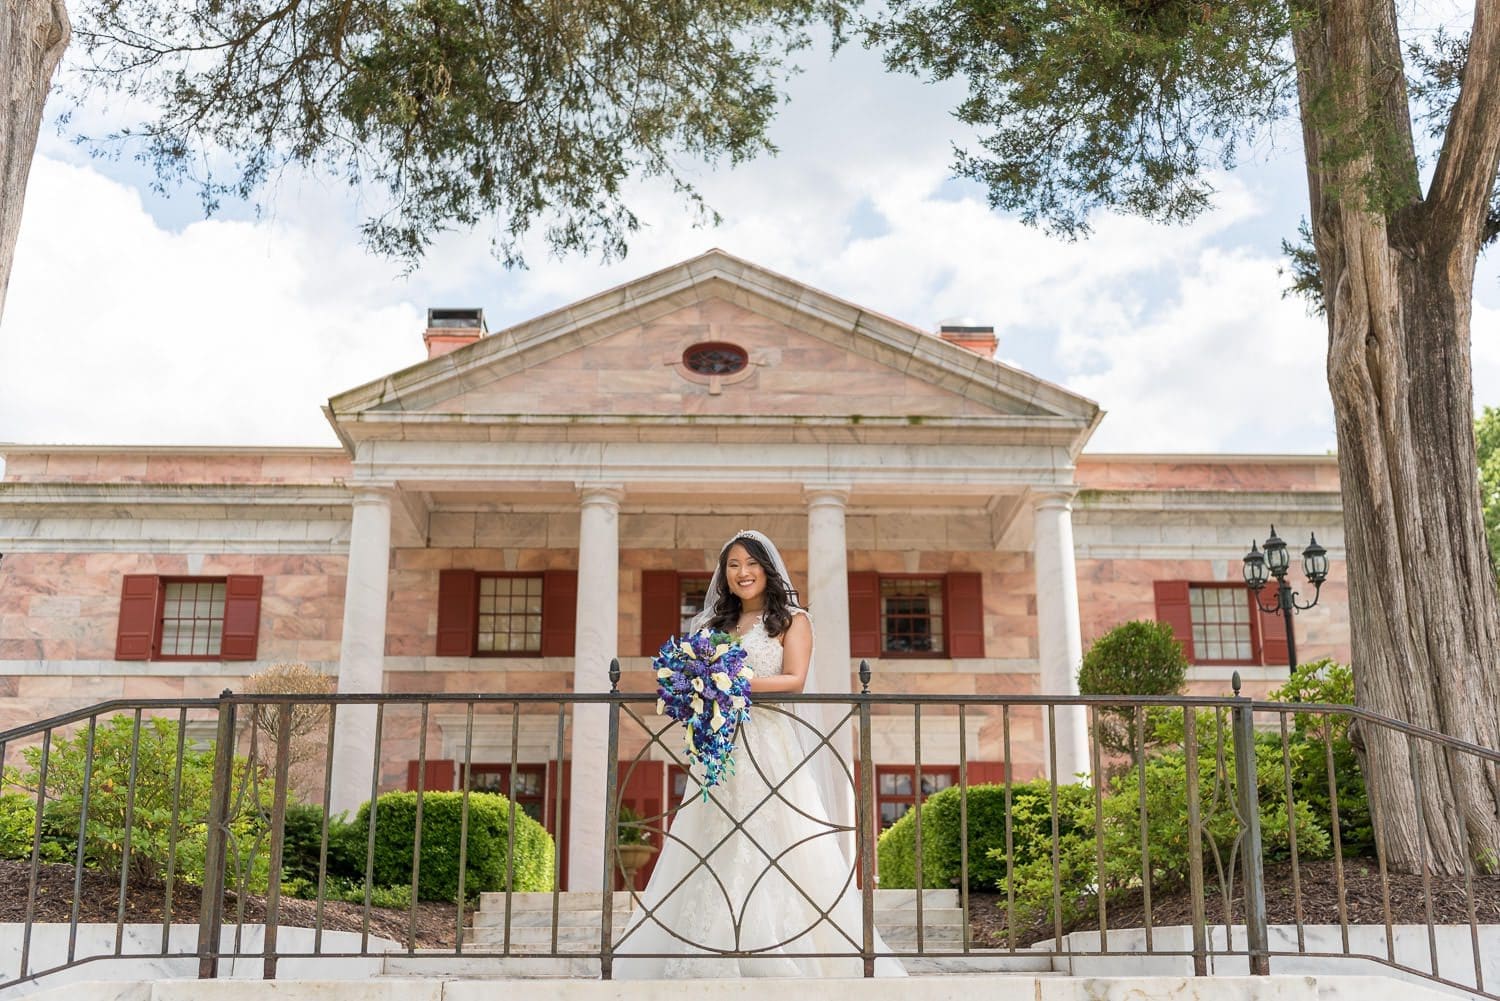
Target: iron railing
211	825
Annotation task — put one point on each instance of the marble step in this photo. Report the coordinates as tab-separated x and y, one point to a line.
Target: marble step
932	917
577	900
575	939
482	964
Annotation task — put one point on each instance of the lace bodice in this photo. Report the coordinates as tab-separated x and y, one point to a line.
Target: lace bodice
763	650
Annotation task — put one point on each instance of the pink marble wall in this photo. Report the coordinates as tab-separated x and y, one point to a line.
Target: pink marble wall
103	465
1237	473
1114	591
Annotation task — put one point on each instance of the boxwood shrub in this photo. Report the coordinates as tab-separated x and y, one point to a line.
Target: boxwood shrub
1031	832
489	816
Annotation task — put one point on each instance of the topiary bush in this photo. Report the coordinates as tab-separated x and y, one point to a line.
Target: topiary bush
1031	831
489	817
1134	658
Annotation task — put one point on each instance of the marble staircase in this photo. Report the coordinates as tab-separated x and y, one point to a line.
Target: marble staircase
519	946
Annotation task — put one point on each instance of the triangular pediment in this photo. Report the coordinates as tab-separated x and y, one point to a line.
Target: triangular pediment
620	353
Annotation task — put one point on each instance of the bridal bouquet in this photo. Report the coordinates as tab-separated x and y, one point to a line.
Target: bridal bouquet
703	682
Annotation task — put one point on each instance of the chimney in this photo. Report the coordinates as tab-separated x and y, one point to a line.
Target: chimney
980	340
450	329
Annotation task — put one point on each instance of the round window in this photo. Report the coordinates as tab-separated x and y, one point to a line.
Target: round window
715	358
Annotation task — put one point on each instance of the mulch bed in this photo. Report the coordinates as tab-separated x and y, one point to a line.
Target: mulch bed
144	904
1319	894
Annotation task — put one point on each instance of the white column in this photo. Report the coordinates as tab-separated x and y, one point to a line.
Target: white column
596	640
362	646
1059	635
828	597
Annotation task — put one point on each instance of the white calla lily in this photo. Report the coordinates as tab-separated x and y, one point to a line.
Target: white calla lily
721	681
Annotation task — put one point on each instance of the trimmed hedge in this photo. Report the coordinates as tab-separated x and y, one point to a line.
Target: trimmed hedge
1031	831
489	816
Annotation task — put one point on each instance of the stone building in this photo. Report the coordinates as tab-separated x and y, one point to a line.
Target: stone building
520	507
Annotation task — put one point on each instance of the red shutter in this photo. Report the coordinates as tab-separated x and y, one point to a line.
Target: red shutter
660	609
986	773
439	778
241	617
458	604
965	615
1172	608
559	612
1273	648
137	629
864	614
641	785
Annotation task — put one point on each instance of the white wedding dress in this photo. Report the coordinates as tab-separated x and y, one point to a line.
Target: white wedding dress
776	883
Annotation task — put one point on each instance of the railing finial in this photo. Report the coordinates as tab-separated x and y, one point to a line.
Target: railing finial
1234	681
614	675
864	677
226	694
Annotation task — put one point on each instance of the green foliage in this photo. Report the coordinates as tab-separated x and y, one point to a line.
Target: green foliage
1080	879
533	114
1303	268
302	843
1122	105
1031	833
151	821
489	815
1134	658
1315	738
1487	444
631	829
18	828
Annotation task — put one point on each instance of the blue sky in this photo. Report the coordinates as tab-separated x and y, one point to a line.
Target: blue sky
131	319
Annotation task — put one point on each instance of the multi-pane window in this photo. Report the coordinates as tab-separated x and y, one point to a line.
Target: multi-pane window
530	791
911	615
1221	624
894	785
692	590
192	618
510	615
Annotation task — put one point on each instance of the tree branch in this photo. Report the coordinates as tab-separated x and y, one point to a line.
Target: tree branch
1459	198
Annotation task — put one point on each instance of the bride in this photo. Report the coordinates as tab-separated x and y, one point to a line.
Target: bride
756	869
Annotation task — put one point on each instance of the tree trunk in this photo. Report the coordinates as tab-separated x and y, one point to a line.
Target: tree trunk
33	34
1398	281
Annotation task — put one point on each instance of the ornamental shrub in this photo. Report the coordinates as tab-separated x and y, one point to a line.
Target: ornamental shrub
1134	658
1031	832
489	816
151	819
17	827
1080	880
1311	737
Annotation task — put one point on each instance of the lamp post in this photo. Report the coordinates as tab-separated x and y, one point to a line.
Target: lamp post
1275	560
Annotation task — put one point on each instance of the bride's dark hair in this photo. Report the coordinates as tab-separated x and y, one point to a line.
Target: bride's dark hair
780	598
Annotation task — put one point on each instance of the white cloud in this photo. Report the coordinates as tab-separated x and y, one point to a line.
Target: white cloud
226	332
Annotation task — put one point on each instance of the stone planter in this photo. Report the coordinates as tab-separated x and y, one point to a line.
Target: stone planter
630	858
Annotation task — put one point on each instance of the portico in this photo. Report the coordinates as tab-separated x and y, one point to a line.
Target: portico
582	441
